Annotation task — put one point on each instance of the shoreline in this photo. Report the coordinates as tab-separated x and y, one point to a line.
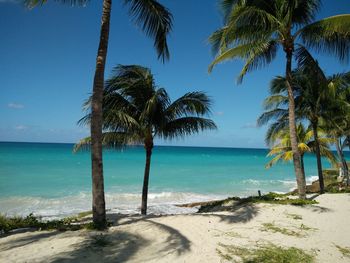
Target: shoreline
316	229
162	203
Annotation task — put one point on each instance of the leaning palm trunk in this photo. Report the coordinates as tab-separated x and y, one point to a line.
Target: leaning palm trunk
318	157
98	195
300	177
148	147
343	162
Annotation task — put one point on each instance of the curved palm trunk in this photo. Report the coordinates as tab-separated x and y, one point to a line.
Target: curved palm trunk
318	157
98	195
148	147
343	162
292	128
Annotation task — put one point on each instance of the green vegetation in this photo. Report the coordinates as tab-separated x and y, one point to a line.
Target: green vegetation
255	30
136	111
314	96
228	234
271	198
9	223
344	250
331	183
297	232
276	229
280	142
84	214
267	253
66	224
295	216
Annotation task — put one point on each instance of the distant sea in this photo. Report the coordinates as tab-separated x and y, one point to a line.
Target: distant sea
49	180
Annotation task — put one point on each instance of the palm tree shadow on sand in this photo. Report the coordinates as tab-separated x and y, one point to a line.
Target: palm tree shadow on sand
117	245
121	243
236	213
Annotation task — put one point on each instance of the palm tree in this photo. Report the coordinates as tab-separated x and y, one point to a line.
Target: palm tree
336	120
254	30
156	21
135	111
313	97
281	145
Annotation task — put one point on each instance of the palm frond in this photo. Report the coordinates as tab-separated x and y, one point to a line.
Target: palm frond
218	40
185	126
278	85
120	119
272	115
255	54
303	148
155	106
304	11
283	156
308	64
192	103
331	35
275	101
278	149
110	140
155	20
83	144
231	53
226	7
259	57
274	130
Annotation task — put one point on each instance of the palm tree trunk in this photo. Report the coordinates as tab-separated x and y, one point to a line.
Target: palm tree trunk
98	195
302	164
148	147
343	162
292	127
318	157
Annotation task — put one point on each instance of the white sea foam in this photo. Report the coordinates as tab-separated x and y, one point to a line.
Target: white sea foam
125	203
269	182
129	203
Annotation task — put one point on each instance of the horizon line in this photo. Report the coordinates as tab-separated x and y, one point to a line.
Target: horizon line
157	145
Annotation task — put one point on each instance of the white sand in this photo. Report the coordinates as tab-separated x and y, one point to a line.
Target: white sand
192	238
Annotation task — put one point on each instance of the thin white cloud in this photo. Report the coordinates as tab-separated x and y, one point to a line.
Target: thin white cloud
15	105
21	127
219	113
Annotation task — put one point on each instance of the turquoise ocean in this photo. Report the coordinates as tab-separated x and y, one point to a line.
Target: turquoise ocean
51	181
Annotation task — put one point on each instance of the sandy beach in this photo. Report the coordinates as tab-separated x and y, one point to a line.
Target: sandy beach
317	229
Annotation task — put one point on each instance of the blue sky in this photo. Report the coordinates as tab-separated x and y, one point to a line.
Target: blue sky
48	59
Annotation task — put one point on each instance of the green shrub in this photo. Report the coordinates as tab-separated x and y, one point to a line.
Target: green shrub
10	223
272	198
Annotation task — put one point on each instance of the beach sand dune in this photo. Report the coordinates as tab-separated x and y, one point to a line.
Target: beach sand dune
318	229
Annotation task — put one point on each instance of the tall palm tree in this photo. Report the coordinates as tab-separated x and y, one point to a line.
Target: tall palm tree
135	111
156	21
254	30
281	145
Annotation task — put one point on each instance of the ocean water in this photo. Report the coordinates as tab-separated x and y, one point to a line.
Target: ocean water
51	181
